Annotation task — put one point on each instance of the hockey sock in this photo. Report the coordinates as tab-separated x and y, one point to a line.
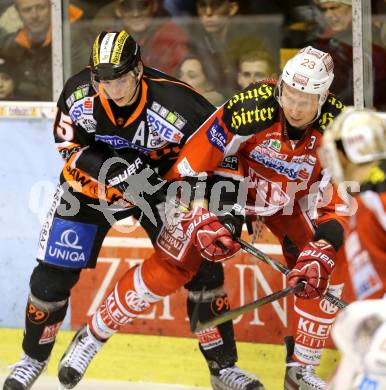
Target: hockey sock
216	344
42	322
313	320
129	297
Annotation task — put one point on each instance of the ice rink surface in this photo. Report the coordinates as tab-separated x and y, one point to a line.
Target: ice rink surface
50	383
145	362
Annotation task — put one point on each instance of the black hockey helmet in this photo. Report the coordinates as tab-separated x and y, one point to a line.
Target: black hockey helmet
113	54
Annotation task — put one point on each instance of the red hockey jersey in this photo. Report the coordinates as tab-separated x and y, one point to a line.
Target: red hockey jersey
366	240
247	138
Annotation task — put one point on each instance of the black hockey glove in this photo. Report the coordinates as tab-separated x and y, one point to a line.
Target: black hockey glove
129	172
132	176
233	220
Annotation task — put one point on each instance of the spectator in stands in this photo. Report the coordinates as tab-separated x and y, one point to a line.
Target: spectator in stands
180	7
254	66
249	60
215	16
337	40
3	33
30	47
91	8
337	15
219	28
263	6
9	18
163	43
192	72
303	23
211	35
378	11
7	82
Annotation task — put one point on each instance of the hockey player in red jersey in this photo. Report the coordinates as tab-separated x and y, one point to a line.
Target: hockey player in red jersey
354	151
134	118
274	130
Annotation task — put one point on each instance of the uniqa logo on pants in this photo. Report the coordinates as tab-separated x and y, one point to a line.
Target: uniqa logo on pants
67	248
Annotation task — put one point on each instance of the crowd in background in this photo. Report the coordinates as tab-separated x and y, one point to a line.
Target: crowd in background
217	46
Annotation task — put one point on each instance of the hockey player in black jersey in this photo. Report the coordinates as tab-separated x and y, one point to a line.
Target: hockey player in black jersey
119	108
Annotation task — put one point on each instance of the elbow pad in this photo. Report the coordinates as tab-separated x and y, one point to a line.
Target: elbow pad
92	158
331	231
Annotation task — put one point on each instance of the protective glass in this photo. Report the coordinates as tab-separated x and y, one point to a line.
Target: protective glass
135	5
214	4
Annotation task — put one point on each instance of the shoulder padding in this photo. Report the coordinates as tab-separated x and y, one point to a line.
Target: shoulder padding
79	84
252	110
330	110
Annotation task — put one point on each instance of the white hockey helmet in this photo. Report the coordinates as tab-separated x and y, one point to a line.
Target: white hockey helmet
359	133
350	323
359	333
309	71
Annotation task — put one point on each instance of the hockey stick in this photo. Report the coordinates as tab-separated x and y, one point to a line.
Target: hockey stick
232	314
283	269
264	257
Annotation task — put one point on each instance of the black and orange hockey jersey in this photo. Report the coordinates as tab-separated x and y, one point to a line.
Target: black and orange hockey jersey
285	175
366	239
166	113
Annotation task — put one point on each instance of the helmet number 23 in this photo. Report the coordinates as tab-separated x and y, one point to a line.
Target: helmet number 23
308	63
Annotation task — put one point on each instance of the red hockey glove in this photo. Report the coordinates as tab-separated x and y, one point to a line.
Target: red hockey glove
314	266
209	236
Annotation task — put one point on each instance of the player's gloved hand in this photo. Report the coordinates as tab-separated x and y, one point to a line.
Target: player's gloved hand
212	239
134	178
232	220
314	266
128	172
138	183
